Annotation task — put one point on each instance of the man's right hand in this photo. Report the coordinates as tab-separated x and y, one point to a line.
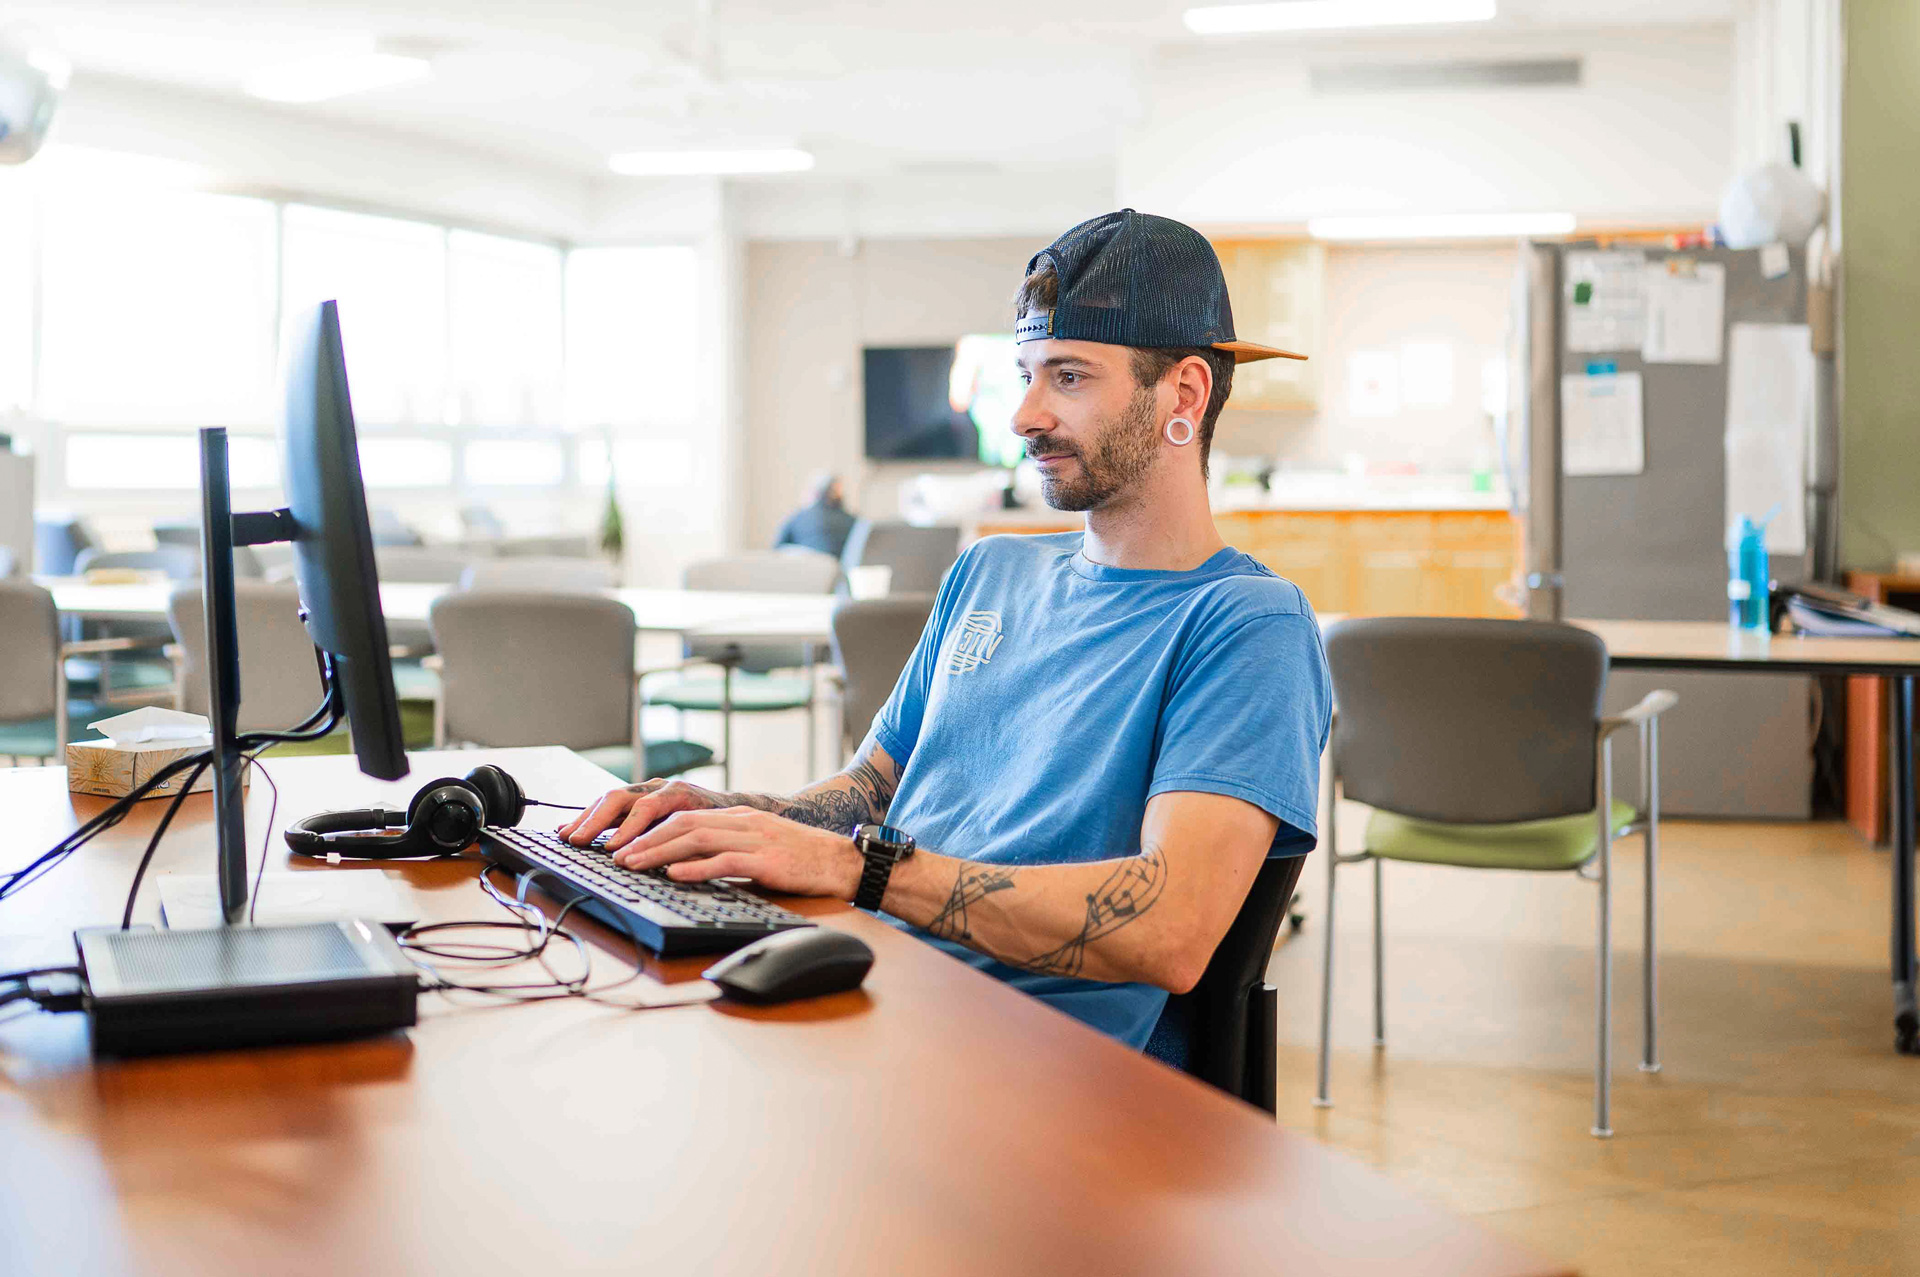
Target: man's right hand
630	812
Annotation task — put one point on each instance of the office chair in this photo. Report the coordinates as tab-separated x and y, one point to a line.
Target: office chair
746	683
1480	743
57	542
526	668
279	679
1224	1030
919	556
138	672
37	715
873	639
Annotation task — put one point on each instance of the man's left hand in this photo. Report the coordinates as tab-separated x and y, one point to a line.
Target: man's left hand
744	842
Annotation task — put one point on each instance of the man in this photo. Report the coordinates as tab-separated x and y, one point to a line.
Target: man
1100	736
822	524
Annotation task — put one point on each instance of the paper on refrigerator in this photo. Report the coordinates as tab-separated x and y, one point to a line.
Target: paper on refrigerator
1686	311
1606	300
1770	395
1602	425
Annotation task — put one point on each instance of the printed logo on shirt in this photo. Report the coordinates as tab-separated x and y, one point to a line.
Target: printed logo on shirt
974	646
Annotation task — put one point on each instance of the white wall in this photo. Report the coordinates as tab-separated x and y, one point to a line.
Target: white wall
1235	136
809	309
989	202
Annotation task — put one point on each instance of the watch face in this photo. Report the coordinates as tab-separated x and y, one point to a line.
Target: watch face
886	838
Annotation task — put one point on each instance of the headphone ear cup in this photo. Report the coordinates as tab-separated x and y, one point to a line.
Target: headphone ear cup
445	817
505	801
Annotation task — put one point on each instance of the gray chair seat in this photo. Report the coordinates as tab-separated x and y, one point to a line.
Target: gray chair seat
664	758
751	693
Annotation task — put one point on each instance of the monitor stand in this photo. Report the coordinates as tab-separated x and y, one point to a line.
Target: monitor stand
220	531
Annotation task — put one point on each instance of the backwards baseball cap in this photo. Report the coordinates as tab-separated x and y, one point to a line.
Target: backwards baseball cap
1133	279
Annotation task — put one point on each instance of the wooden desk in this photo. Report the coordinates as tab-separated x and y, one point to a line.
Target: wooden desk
659	611
1712	645
935	1122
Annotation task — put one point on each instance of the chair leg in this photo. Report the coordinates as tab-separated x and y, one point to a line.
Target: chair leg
1320	1097
1650	962
1603	1045
813	725
1379	959
440	719
726	727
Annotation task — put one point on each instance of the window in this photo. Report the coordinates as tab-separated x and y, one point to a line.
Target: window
155	308
406	463
507	462
503	331
390	278
631	319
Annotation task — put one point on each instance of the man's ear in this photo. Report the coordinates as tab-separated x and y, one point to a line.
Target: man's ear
1192	387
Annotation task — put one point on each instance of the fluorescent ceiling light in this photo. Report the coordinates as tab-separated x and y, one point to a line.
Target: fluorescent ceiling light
334	76
786	159
1332	15
1441	226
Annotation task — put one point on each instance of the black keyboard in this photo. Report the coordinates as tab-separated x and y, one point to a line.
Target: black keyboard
667	917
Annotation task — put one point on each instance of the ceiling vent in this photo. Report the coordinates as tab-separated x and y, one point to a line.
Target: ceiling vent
1409	77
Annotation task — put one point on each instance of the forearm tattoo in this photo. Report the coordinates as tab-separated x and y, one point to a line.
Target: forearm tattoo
858	795
1125	894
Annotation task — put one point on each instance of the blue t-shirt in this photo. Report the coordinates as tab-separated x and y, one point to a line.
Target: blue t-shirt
1050	697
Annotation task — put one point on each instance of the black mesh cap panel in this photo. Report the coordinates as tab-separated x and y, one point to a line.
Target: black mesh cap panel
1133	279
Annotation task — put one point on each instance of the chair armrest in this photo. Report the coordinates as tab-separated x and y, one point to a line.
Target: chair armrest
676	668
432	661
1651	706
87	647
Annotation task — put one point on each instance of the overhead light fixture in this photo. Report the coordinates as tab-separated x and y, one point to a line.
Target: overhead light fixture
1332	15
334	76
785	159
1441	226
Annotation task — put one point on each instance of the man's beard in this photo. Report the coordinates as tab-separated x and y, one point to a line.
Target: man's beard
1121	453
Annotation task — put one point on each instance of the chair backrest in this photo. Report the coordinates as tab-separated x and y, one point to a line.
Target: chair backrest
279	678
179	562
1221	1030
57	542
523	668
872	642
918	556
419	565
479	521
541	575
389	528
29	651
794	570
1469	721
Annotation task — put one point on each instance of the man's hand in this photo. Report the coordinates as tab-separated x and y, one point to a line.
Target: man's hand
741	842
631	811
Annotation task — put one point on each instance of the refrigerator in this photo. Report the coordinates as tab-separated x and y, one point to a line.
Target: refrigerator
1645	537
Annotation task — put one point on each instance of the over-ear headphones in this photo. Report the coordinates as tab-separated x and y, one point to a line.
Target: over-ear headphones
443	818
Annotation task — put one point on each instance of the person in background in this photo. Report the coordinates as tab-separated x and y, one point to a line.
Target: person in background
822	524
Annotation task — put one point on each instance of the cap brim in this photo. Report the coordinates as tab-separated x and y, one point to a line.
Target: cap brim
1245	352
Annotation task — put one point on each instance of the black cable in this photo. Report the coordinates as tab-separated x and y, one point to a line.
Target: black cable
16	880
22	977
19	994
266	839
153	843
535	802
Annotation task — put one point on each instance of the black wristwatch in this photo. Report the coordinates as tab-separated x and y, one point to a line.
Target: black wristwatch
882	847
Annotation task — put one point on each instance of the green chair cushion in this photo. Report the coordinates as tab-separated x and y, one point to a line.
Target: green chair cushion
416	730
664	758
129	674
752	693
1563	842
412	681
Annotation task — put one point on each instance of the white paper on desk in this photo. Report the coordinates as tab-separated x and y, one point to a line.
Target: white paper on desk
1770	389
1606	300
1602	428
1686	310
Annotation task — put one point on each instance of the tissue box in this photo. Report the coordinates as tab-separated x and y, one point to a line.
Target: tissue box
101	767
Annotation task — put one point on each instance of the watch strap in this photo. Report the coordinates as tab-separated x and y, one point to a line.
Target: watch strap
873	879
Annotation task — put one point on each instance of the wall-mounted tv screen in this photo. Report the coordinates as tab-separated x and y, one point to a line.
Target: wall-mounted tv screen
952	402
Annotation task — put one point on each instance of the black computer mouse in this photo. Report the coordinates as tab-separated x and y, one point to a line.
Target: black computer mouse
805	962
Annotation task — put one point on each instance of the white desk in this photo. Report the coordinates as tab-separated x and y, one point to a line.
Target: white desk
803	618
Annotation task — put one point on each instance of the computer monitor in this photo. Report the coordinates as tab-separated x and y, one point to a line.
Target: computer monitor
333	541
325	519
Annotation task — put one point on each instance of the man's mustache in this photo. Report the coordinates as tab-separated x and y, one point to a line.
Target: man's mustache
1035	452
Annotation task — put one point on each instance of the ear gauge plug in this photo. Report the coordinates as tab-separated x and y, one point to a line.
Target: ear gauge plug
1179	439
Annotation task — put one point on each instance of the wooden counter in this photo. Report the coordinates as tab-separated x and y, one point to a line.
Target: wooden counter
1365	562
